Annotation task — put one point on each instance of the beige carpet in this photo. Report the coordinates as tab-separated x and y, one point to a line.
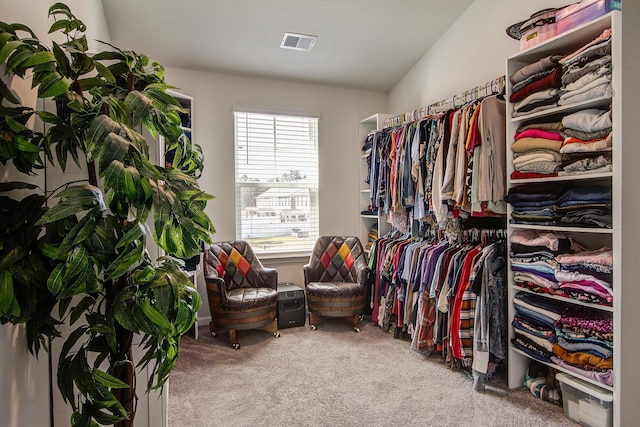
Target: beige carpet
335	377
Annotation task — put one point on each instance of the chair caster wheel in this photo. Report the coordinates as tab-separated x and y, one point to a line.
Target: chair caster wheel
276	334
361	317
213	334
236	346
356	330
314	327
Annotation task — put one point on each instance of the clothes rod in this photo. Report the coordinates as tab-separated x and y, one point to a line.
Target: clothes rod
494	86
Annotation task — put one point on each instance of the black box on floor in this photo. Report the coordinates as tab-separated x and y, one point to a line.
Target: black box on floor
291	306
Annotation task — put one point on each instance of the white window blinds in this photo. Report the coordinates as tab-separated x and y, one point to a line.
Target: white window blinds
276	159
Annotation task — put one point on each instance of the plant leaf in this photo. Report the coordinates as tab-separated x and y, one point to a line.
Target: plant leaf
124	316
99	128
139	105
61	59
107	380
123	262
155	316
48	117
75	199
115	147
105	72
39	58
6	292
52	85
135	233
16	185
54	282
77	262
7	49
6	93
80	309
71	341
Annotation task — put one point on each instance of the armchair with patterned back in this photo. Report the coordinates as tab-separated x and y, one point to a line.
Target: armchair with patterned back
242	292
335	279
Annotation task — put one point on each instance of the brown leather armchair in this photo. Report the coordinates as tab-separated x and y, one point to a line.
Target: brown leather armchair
335	280
242	293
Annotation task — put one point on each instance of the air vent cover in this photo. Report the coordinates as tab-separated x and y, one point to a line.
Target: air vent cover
298	41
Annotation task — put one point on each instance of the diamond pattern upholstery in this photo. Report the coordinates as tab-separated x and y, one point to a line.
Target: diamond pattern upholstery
338	259
236	263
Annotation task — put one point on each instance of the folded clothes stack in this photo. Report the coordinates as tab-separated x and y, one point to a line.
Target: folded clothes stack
534	324
586	275
536	87
584	343
533	258
548	262
544	204
586	206
537	150
554	80
577	338
534	204
587	143
582	81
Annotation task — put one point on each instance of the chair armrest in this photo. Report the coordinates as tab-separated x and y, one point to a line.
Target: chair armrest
220	284
268	278
213	274
362	274
307	269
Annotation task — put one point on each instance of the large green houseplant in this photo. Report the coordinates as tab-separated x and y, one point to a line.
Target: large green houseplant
77	254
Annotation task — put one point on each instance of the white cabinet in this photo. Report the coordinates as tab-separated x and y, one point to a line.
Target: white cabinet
593	237
369	220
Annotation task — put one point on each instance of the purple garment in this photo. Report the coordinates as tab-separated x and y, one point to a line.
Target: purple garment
604	377
428	268
585	318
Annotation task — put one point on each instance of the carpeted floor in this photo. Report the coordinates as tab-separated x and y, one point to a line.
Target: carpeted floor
335	377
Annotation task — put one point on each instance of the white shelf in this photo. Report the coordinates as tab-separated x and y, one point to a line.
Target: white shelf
565	370
602	102
367	127
593	237
565	299
581	177
594	230
568	41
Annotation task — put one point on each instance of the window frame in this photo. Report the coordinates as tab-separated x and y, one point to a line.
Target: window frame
307	216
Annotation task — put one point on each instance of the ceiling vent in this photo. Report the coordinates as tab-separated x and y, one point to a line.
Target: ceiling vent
298	41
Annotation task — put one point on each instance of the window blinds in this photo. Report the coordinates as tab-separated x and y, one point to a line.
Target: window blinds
276	178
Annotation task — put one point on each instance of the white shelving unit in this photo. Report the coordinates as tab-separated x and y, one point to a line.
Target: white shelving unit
186	102
370	124
563	44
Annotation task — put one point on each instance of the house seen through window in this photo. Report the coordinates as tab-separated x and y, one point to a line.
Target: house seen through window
276	159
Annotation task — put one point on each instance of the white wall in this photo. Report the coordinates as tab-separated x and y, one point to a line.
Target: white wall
472	51
340	111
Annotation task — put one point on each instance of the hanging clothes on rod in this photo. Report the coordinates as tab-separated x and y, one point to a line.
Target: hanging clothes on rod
441	166
448	297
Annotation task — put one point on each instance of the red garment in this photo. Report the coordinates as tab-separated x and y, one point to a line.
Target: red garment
527	175
538	133
461	286
553	80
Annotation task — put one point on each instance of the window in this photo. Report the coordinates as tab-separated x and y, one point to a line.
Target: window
276	182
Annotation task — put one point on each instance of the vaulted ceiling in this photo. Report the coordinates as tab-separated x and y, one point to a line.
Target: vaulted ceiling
365	44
